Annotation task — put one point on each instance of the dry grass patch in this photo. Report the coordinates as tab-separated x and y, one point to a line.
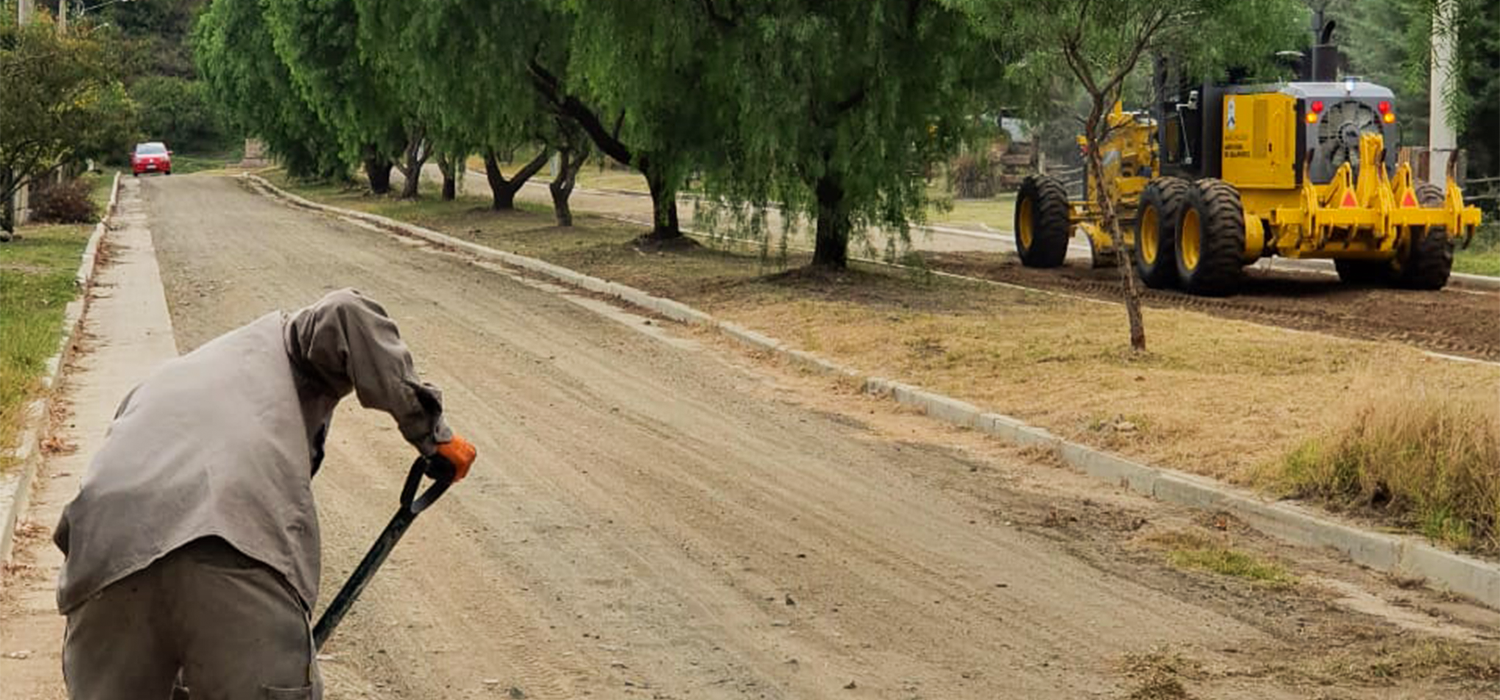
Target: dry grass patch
1157	674
1411	659
1212	397
1426	455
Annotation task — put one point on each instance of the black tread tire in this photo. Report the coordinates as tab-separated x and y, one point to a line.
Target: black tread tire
1429	261
1050	227
1166	195
1365	272
1222	241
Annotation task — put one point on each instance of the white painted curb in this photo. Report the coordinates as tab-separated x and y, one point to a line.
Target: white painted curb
1405	555
15	488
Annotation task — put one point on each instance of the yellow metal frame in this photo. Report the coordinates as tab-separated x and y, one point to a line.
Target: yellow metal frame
1125	151
1366	218
1371	217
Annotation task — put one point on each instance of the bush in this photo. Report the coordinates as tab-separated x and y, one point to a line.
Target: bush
972	176
1426	459
69	202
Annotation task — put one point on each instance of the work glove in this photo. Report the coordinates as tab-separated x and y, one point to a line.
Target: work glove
457	455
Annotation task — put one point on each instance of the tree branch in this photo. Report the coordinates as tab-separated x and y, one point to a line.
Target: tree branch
550	89
718	19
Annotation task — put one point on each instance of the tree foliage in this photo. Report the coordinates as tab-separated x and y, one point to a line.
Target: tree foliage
354	93
62	101
828	110
1390	42
177	111
462	64
254	86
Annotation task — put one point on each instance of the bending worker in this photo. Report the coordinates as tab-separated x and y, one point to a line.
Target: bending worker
193	546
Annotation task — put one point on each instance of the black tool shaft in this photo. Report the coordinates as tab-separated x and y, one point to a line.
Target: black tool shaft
361	576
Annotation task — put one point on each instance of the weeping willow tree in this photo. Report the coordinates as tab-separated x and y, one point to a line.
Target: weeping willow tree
253	88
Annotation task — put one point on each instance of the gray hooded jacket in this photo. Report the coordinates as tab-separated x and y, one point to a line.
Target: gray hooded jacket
224	441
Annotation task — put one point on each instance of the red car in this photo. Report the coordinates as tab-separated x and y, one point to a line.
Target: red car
151	157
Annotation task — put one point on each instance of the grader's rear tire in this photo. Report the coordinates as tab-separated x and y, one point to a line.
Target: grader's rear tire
1154	255
1429	260
1042	226
1211	239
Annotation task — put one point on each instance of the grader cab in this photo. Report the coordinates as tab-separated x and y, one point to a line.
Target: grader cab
1205	185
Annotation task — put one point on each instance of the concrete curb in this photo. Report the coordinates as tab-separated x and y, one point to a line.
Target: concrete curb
1404	555
15	489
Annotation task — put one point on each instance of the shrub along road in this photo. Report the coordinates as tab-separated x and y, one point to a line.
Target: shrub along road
673	520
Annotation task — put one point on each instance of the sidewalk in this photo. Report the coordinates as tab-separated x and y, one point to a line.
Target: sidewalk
127	333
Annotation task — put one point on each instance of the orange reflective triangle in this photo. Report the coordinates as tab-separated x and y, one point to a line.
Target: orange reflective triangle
1349	200
1409	200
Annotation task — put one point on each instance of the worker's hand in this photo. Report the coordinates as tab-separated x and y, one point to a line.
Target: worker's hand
459	453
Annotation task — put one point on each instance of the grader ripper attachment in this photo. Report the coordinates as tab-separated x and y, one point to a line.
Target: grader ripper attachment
1232	174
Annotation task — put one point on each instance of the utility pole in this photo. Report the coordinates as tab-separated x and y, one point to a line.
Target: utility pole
1441	141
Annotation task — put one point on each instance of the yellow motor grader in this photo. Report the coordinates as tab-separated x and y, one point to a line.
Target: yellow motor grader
1211	183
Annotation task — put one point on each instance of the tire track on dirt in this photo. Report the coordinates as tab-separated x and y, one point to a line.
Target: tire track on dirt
1463	323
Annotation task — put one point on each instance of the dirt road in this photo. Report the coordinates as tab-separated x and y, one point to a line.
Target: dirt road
672	520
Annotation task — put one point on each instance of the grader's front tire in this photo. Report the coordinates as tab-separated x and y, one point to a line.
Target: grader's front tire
1154	255
1042	226
1429	259
1211	239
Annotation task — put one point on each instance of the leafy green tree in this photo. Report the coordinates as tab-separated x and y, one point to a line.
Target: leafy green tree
1101	44
1477	97
154	35
1390	42
352	90
639	82
828	110
839	108
62	102
462	65
177	111
254	87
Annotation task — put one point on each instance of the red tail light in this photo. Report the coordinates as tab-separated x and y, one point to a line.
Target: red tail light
1384	107
1317	106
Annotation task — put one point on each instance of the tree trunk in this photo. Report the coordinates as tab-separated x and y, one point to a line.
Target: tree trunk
502	191
416	156
378	170
8	207
449	167
570	161
1111	221
831	244
664	226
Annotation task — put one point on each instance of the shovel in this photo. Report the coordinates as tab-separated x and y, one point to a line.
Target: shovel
411	505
